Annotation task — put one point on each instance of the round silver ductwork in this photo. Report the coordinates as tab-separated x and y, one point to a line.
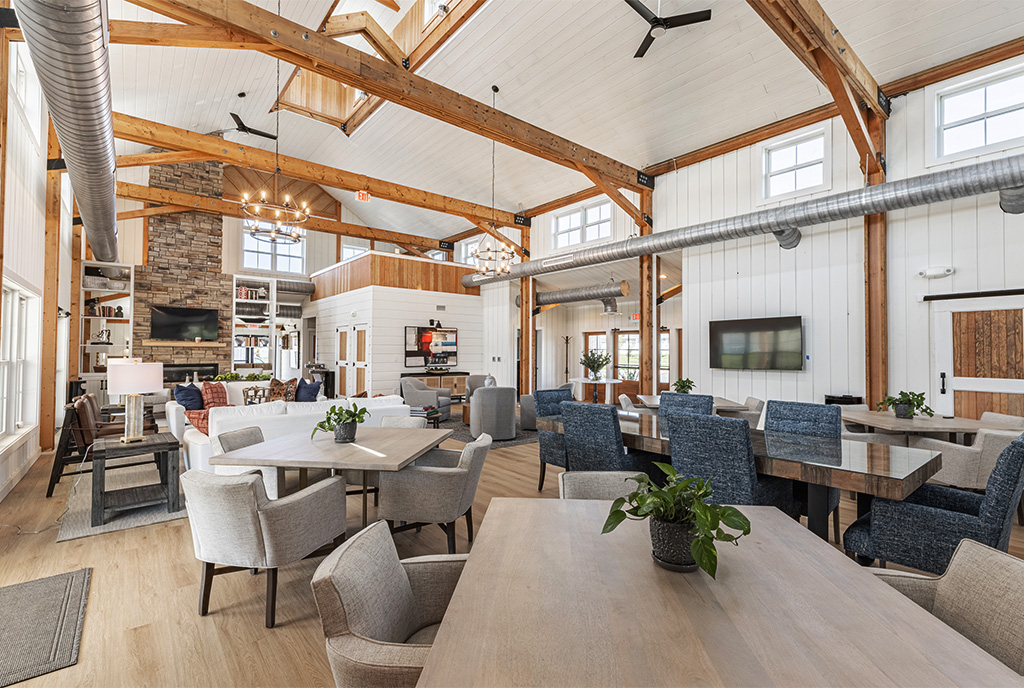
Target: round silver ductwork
611	307
1012	200
598	292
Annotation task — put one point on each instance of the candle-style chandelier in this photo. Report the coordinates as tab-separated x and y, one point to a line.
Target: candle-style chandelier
497	259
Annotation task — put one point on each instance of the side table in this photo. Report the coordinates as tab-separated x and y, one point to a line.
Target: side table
164	446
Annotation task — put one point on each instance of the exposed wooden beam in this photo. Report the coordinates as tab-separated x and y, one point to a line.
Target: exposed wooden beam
149	212
164	158
74	350
953	68
540	309
51	272
465	235
853	118
174	35
139	130
486	228
564	201
363	24
338	61
669	293
390	4
876	326
609	190
648	373
217	206
413	250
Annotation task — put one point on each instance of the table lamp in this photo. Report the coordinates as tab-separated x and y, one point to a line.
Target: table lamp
132	379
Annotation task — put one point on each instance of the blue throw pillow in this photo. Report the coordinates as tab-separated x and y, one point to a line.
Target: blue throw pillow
189	396
307	391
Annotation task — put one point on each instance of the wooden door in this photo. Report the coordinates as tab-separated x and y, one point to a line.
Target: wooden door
343	360
360	359
626	363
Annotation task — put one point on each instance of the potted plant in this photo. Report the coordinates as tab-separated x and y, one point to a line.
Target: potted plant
342	422
683	386
595	362
906	404
684	528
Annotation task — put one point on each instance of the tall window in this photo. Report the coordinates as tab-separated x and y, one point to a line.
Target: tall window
627	355
596	342
589	223
468	248
14	350
280	257
664	357
795	165
28	94
980	115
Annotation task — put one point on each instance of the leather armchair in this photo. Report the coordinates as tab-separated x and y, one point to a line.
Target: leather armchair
416	393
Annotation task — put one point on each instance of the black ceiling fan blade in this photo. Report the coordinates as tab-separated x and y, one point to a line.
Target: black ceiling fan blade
688	18
238	122
642	10
648	40
257	132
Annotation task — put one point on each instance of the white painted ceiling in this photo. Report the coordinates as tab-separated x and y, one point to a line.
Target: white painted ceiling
565	65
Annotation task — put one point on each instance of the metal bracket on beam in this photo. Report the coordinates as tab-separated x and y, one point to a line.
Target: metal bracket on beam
649	220
344	127
535	311
55	164
446	245
522	221
644	179
8	19
526	252
884	102
881	162
405	62
76	221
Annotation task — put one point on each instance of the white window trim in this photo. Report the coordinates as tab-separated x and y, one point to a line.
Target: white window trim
825	129
361	250
273	270
932	97
466	250
582	209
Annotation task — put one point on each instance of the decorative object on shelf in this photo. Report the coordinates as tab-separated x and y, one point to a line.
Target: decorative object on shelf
94	282
906	404
91	306
683	385
101	337
342	422
684	527
119	312
132	378
261	293
595	362
243	292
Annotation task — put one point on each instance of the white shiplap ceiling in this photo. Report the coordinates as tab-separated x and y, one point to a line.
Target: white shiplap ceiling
565	65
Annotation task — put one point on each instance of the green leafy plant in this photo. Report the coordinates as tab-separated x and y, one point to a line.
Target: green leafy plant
335	416
256	377
915	400
683	386
595	361
682	501
629	373
227	377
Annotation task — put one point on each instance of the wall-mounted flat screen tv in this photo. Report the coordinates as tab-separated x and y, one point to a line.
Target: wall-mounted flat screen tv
758	344
183	323
431	346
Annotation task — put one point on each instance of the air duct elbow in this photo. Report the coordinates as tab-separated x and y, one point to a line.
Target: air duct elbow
788	238
1012	200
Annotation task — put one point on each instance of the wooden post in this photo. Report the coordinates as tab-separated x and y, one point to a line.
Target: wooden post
876	326
4	70
527	326
74	328
51	263
647	284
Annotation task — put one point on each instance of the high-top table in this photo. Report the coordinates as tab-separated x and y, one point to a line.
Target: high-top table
919	424
653	401
584	381
786	610
375	449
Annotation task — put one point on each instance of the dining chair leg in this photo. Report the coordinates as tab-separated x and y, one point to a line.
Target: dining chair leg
450	531
835	525
543	470
271	596
1020	512
469	523
253	572
205	586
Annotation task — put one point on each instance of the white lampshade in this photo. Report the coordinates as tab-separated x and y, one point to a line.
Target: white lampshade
130	376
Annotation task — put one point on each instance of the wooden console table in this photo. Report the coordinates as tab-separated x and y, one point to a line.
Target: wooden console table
453	382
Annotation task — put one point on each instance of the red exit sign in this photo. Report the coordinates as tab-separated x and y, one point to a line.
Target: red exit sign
363	196
635	316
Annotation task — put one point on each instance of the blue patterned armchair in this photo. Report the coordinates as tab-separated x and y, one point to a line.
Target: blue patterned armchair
924	530
547	402
719	450
675	402
593	440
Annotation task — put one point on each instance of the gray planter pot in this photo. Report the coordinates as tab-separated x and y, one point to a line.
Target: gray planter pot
670	546
903	410
345	432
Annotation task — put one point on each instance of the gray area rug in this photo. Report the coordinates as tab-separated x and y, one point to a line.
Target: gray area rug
77	521
461	431
41	625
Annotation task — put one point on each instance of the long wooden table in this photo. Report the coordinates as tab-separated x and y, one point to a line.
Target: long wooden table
375	449
786	610
653	401
886	420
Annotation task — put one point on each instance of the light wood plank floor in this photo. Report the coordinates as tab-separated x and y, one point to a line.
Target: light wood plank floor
142	625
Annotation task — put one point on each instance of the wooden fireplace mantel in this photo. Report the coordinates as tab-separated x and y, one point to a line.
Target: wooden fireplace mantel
181	343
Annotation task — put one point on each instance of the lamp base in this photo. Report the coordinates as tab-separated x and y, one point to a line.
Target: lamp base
129	440
133	419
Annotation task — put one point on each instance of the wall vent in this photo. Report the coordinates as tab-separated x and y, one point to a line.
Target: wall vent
441	308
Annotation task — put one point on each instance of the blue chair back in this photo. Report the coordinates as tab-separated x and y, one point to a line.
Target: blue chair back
593	438
717	449
675	402
547	401
799	418
1003	490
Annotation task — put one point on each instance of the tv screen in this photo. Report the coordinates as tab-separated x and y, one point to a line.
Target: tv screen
758	344
183	323
430	346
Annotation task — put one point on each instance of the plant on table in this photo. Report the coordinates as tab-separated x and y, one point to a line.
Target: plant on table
342	422
595	362
227	377
906	404
683	386
256	377
680	514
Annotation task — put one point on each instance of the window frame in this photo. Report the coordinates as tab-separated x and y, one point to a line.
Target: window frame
582	229
765	148
354	251
617	366
466	249
590	349
267	247
16	323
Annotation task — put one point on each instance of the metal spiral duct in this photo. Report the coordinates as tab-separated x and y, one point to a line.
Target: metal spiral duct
252	310
286	311
67	41
1012	200
785	221
598	292
295	287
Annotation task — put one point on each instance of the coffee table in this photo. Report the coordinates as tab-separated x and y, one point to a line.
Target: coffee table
164	446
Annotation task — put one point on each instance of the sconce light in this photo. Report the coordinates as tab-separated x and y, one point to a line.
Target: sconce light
937	272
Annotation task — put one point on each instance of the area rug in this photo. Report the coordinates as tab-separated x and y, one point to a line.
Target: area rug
41	625
461	431
77	521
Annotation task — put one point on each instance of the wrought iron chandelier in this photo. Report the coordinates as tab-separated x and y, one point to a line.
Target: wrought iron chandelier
497	260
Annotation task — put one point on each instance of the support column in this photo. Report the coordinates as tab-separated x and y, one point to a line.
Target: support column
51	263
4	71
74	329
647	286
527	325
876	326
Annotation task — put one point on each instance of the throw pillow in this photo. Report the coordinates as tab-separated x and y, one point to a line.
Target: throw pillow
189	396
361	395
283	391
214	395
200	420
307	391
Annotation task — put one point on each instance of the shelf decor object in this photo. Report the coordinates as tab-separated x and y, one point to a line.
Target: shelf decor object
131	378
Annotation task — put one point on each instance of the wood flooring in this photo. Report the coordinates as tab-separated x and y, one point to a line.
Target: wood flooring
142	626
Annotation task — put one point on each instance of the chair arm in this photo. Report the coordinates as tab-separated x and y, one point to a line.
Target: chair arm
433	580
930	527
298	524
422	397
527	412
422	494
920	589
358	661
959	463
946	498
440	458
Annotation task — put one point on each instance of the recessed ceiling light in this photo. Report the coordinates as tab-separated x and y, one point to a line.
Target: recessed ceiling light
662	276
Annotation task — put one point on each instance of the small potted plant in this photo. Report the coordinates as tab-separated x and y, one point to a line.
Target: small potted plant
595	362
906	404
683	386
684	528
342	422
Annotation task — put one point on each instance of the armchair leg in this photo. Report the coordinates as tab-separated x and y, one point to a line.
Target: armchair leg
205	587
543	470
271	596
449	529
1020	512
835	526
469	523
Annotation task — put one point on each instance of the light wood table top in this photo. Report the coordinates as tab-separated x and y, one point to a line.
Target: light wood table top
375	449
886	420
787	609
721	403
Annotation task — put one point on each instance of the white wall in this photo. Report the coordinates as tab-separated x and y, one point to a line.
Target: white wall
500	323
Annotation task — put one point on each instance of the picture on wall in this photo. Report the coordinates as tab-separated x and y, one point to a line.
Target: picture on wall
430	346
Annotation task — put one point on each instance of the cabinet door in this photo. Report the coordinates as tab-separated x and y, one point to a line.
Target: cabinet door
460	385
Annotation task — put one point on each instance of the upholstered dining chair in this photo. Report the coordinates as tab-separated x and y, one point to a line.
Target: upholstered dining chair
752	414
968	467
924	529
528	408
676	402
808	420
606	485
237	528
980	595
439	488
548	402
859	433
593	441
627	405
379	613
719	449
239	439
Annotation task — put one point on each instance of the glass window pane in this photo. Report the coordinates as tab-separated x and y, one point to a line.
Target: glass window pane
604	229
781	158
563	223
574	237
964	137
262	261
1005	93
1005	127
807	177
606	211
594	214
810	150
563	240
781	183
575	219
962	106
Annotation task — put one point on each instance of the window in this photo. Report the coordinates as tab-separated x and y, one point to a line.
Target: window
437	255
589	223
352	251
279	257
14	351
431	8
27	92
468	249
981	114
664	357
796	166
627	355
596	342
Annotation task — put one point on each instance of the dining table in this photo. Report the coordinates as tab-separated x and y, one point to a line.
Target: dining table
920	424
867	469
546	599
374	449
653	401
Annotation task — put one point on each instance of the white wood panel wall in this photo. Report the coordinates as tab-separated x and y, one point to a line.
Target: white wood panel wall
500	323
130	237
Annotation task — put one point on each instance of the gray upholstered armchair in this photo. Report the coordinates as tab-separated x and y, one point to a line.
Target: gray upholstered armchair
379	613
606	485
968	467
439	488
528	408
236	526
473	383
416	393
492	410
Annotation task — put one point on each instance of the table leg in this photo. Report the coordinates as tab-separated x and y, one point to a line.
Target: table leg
303	478
366	490
817	510
97	490
864	503
173	470
595	394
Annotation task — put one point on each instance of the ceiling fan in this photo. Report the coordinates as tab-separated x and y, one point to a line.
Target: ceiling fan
240	126
659	25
